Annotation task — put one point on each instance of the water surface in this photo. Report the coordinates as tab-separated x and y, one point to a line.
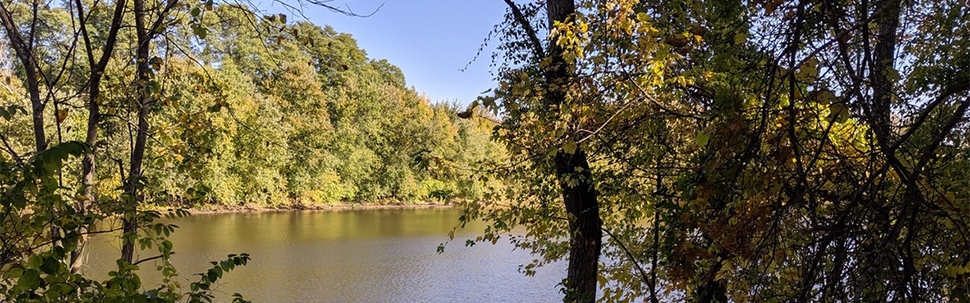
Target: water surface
348	256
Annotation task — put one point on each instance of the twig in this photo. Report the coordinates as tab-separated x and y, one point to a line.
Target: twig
152	258
533	39
10	150
643	273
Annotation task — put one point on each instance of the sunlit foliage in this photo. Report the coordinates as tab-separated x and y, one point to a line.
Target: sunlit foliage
747	151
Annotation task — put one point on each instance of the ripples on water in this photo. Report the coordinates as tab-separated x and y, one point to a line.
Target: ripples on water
349	256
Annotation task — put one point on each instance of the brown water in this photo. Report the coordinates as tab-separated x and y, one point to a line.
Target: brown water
348	256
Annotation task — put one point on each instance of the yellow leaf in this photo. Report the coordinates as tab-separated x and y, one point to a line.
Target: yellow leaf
953	271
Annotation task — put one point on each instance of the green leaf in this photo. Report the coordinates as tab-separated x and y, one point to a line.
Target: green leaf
34	261
50	266
891	74
30	279
569	147
838	112
200	32
807	74
702	138
740	38
15	272
823	96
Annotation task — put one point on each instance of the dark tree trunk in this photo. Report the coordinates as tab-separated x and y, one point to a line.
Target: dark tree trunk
884	58
24	52
585	225
94	114
130	222
575	179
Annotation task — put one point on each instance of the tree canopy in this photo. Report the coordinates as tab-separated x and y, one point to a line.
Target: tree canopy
124	109
739	151
692	150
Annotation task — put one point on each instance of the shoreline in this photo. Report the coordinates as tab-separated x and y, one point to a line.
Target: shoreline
244	209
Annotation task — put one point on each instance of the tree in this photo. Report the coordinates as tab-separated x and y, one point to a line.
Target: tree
772	150
97	69
572	168
24	48
561	153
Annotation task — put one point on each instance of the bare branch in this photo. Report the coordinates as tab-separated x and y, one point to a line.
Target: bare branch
10	150
151	258
529	30
325	4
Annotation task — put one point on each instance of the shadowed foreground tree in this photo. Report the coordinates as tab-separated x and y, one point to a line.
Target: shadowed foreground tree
744	151
554	68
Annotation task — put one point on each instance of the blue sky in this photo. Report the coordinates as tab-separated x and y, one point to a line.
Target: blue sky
430	40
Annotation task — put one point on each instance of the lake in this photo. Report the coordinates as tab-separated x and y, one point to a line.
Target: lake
347	256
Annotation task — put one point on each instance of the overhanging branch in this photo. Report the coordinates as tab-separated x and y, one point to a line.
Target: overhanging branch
529	30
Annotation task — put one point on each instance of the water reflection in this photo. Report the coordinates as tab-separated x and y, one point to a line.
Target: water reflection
350	256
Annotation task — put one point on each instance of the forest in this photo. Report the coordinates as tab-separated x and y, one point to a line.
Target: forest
690	150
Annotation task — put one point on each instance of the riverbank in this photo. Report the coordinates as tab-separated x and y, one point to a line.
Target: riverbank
221	209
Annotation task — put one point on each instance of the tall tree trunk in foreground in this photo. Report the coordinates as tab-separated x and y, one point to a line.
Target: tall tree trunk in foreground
94	113
585	227
25	53
130	223
575	179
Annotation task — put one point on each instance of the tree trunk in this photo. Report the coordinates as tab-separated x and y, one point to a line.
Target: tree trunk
884	59
94	116
130	222
585	226
24	53
575	179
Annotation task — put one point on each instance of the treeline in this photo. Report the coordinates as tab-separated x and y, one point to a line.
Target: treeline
255	110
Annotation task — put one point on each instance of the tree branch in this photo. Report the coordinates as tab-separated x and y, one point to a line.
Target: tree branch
152	258
529	30
10	150
643	273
